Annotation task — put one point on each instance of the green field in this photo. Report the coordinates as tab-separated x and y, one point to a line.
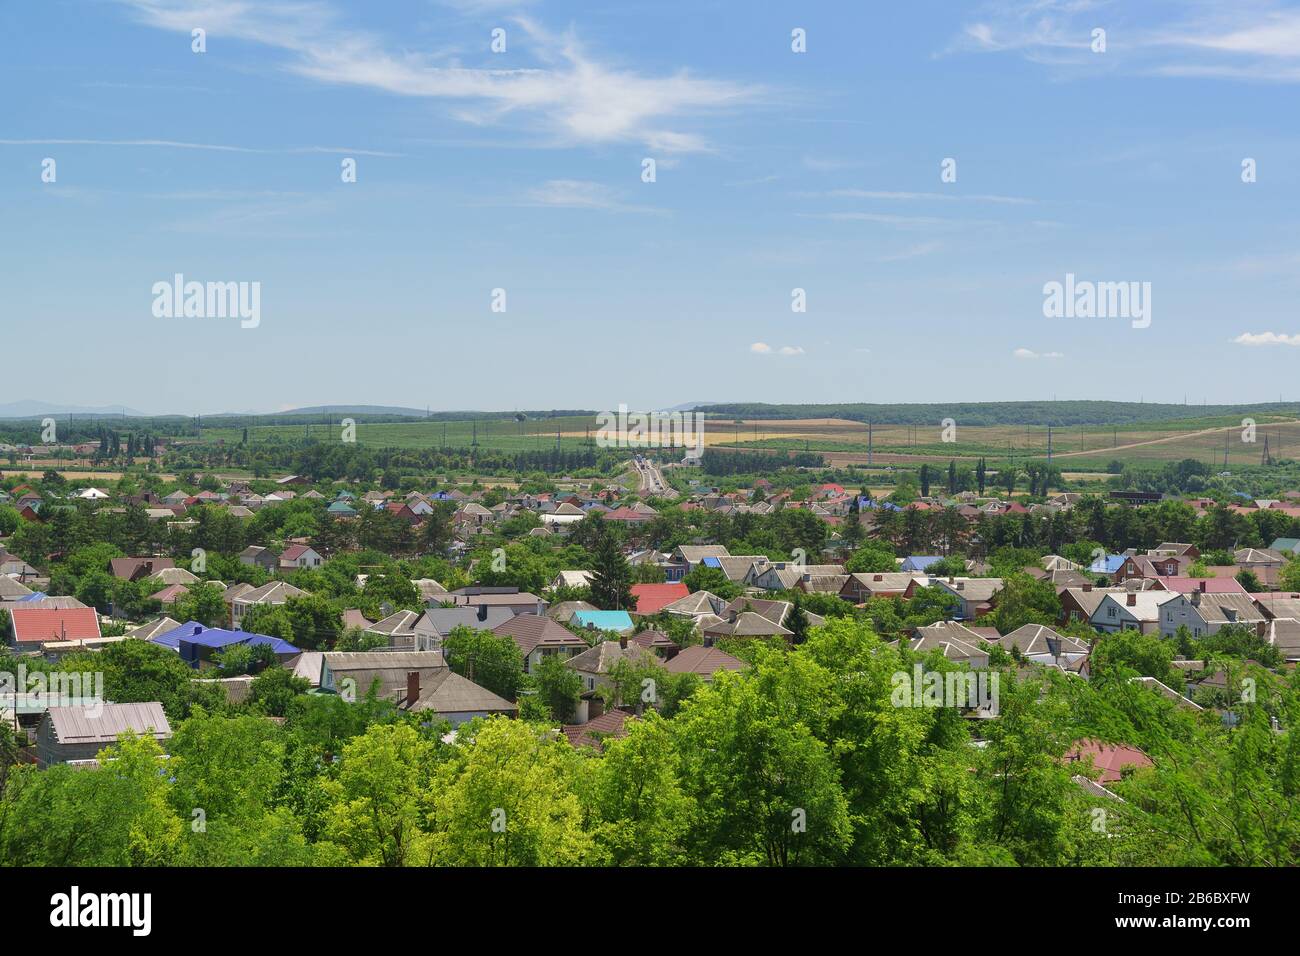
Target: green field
497	435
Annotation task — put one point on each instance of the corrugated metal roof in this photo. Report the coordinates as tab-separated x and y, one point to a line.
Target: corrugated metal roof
80	725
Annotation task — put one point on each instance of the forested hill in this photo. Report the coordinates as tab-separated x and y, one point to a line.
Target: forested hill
1002	413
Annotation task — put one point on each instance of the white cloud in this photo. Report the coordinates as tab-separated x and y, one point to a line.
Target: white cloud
1267	338
572	96
177	144
910	196
1254	40
581	194
762	348
1029	354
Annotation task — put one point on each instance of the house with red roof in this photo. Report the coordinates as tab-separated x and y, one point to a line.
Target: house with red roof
35	627
1110	759
653	598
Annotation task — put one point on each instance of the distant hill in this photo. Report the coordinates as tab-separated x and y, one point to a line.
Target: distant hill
29	408
356	410
1000	413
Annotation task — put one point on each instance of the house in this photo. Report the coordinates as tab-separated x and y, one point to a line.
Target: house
419	681
919	562
519	602
620	622
34	627
653	598
437	622
1205	613
274	593
563	612
448	696
692	556
255	556
956	642
353	674
1256	558
299	556
431	592
571	579
976	595
703	662
11	590
537	636
595	664
610	724
199	646
1131	610
696	605
744	624
783	576
398	629
70	734
1184	585
657	642
1042	645
151	629
1107	761
861	587
134	569
1283	633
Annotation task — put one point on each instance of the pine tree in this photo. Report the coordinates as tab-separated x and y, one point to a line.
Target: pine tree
611	576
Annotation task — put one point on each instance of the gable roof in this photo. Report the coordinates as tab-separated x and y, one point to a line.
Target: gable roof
1110	759
74	725
41	624
653	598
446	692
702	661
531	631
612	723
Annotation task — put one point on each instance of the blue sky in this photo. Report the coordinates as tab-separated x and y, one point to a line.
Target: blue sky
521	170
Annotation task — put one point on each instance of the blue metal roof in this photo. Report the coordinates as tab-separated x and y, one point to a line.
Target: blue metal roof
194	633
919	562
1109	565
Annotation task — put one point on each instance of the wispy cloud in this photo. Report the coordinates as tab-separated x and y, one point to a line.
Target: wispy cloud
1267	338
214	147
570	94
927	197
1255	40
582	194
1030	355
762	348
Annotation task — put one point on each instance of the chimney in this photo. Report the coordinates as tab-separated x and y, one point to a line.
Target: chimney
1200	586
622	641
878	577
482	612
1087	587
412	687
1132	599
